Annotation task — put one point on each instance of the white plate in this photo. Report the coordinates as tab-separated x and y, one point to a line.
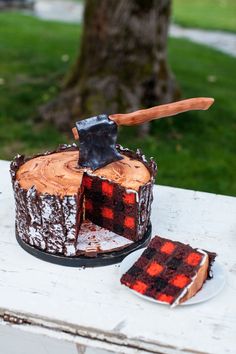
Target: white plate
209	290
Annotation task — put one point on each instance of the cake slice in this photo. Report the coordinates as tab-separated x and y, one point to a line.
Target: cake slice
169	271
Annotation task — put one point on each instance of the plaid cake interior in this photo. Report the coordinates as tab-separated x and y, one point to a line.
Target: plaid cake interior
164	269
109	205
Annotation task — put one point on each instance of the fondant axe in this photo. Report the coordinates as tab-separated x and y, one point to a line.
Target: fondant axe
97	135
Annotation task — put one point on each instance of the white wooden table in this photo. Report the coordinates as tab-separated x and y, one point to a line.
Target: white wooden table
68	310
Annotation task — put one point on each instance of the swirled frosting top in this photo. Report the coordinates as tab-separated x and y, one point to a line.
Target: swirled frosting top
58	173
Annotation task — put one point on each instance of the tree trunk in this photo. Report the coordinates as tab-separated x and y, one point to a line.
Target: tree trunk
122	64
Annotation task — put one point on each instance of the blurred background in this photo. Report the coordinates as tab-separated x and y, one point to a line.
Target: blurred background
61	61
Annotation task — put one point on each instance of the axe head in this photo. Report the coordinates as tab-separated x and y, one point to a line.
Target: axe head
97	142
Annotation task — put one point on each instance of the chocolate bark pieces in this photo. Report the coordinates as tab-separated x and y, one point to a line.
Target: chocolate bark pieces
69	210
144	207
35	230
52	223
34	208
22	216
59	223
43	222
72	207
28	217
15	164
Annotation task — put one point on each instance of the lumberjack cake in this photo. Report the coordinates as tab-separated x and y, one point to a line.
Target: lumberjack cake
170	272
100	182
54	195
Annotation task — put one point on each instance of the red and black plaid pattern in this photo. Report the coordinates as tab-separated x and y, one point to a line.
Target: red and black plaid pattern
164	269
109	205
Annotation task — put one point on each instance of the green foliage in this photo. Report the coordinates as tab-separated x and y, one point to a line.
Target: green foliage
34	58
195	150
209	14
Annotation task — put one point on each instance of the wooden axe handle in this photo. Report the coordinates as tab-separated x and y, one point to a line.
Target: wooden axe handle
75	133
165	110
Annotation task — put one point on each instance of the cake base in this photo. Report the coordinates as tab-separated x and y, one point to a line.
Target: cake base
102	259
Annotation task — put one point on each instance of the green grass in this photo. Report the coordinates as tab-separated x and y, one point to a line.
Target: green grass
209	14
195	151
34	56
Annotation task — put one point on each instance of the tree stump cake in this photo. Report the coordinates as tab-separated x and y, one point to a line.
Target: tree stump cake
54	196
104	183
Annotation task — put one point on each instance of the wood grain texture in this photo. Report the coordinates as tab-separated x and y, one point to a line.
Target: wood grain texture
162	111
75	133
91	303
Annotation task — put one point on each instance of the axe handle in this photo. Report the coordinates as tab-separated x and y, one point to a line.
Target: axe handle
75	133
165	110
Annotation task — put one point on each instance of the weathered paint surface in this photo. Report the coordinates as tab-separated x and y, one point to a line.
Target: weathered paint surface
93	308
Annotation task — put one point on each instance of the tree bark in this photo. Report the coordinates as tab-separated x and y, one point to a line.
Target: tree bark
122	64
